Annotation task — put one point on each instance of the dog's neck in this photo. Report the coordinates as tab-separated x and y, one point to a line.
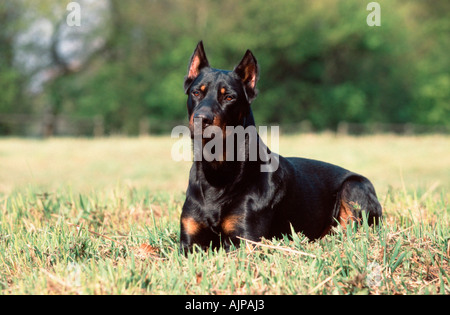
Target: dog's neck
224	173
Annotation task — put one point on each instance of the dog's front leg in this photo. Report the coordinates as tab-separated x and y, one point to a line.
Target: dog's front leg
237	227
194	230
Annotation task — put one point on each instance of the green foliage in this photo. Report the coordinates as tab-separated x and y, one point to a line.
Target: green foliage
319	60
11	80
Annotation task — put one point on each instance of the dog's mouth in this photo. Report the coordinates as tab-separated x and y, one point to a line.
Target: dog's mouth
200	134
197	127
197	130
205	142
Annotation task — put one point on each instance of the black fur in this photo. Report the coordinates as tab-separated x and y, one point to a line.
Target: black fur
230	199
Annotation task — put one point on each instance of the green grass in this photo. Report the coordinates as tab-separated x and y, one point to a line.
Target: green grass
74	213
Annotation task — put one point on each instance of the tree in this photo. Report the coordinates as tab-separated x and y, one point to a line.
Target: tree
11	80
320	61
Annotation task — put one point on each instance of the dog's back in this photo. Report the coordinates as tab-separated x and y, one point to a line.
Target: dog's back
316	187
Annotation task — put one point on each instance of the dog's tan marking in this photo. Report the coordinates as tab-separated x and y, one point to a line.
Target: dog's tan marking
217	121
191	226
345	214
193	70
230	223
250	76
203	88
223	90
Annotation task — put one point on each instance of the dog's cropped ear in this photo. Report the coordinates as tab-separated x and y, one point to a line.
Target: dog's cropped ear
248	72
197	63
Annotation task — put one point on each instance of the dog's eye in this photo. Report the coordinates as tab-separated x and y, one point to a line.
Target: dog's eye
196	93
229	98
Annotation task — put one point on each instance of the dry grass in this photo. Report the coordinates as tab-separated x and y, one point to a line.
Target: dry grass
84	216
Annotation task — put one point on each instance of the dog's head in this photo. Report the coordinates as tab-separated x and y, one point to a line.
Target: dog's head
219	97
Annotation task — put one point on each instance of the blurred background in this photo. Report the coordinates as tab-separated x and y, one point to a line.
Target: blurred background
322	67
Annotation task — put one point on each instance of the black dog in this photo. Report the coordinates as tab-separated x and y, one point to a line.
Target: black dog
231	198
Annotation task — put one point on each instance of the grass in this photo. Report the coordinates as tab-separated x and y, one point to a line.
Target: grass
75	213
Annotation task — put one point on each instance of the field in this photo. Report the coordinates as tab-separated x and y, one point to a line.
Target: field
101	216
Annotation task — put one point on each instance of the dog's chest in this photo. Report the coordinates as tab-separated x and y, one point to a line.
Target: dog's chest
223	215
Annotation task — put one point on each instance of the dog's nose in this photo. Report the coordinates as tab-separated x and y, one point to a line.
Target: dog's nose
206	118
